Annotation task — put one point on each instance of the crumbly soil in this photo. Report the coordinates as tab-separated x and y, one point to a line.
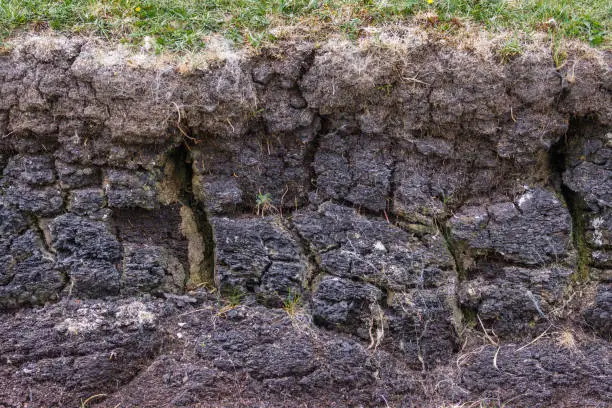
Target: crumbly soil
401	222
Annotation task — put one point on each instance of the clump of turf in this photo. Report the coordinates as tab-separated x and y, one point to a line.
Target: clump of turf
184	25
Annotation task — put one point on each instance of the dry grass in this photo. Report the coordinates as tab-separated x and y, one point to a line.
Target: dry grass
567	340
184	25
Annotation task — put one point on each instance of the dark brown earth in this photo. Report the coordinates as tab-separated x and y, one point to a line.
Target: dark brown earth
394	224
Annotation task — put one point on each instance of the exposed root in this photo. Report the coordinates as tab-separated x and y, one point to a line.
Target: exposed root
484	330
535	340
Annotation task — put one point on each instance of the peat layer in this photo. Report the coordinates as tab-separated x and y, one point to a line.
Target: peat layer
396	223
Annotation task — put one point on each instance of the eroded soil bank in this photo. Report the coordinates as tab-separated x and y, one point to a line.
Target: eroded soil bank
402	223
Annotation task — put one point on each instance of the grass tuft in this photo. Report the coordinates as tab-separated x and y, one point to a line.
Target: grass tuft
567	340
511	49
292	303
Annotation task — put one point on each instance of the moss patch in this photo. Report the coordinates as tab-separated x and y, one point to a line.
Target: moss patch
578	236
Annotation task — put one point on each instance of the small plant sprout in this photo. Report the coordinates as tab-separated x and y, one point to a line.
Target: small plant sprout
386	88
351	28
292	302
264	204
235	297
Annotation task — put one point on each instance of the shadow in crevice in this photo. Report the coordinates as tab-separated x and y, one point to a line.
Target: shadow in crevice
559	163
182	160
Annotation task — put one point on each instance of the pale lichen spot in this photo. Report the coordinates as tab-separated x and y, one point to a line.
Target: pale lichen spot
379	246
525	198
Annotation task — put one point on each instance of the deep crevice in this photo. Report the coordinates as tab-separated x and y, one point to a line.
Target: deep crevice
311	152
451	246
392	188
575	203
309	252
183	171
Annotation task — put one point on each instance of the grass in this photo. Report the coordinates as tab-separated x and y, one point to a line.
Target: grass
510	49
263	204
292	303
235	297
184	25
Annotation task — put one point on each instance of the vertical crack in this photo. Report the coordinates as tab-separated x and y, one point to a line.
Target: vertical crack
195	224
314	269
440	223
575	203
392	189
311	152
451	246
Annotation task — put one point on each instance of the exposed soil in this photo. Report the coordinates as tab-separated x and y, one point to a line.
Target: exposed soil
405	223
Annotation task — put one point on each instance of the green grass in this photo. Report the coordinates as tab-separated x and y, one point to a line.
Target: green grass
292	303
510	49
179	25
